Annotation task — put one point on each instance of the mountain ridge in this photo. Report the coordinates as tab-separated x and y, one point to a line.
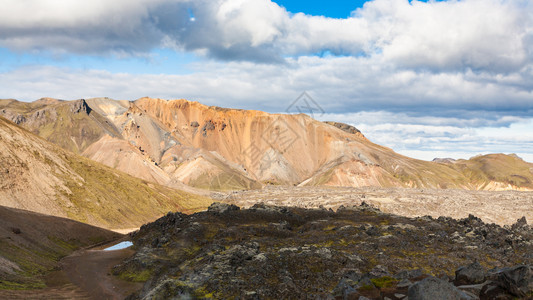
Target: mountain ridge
176	142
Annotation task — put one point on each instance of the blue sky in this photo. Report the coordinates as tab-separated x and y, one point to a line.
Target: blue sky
332	9
426	78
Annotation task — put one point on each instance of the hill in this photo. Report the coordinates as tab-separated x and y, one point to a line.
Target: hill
39	176
180	142
32	245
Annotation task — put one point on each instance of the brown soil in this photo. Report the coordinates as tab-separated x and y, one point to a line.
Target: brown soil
83	275
90	271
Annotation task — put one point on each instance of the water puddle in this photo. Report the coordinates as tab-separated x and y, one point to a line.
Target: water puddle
119	246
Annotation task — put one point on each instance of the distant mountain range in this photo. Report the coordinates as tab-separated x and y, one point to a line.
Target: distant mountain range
183	144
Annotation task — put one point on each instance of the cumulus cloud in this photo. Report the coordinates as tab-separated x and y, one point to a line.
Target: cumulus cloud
486	35
338	84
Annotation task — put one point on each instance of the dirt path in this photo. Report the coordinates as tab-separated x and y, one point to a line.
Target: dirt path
85	274
90	270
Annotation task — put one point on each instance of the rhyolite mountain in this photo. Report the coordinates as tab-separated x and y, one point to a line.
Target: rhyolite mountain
39	176
179	142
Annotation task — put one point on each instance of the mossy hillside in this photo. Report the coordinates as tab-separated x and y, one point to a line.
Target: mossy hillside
507	169
273	251
113	199
74	131
71	124
422	174
34	244
34	262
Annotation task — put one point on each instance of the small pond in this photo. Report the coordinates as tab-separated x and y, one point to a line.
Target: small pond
119	246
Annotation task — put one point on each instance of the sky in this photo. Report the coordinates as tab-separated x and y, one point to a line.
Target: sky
425	78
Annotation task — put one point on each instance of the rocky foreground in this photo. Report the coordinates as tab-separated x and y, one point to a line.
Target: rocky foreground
270	252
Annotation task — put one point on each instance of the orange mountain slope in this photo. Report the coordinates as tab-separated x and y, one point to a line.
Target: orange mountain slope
182	142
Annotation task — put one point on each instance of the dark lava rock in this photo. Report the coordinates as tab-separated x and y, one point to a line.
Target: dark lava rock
379	271
408	274
520	223
433	288
344	127
517	281
195	124
208	126
471	274
272	252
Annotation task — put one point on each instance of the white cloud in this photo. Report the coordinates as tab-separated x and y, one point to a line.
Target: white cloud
482	35
338	84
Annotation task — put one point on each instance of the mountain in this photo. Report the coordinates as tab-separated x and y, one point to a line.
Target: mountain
32	244
39	176
179	142
496	172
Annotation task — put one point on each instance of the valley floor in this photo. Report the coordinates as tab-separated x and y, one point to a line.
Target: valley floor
84	274
502	208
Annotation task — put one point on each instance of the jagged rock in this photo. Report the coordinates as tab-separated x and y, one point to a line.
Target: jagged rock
404	283
208	126
474	289
19	119
221	208
520	223
195	124
433	288
471	274
345	288
80	106
408	274
518	280
379	271
493	290
344	127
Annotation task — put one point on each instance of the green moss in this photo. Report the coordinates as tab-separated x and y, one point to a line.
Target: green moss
384	282
367	287
9	285
192	251
113	199
69	245
142	276
202	293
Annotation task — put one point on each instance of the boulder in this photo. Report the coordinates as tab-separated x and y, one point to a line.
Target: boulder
408	274
520	223
433	288
471	274
517	280
220	208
